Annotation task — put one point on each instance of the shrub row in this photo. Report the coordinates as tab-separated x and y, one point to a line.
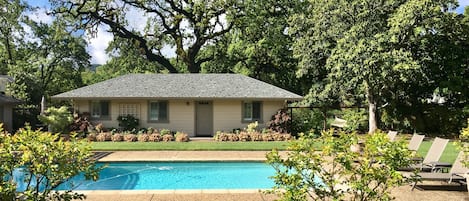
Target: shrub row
154	137
252	136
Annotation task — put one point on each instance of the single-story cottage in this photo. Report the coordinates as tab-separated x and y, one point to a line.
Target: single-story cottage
7	103
198	104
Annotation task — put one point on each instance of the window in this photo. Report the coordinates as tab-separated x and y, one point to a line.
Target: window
158	111
252	111
100	109
129	109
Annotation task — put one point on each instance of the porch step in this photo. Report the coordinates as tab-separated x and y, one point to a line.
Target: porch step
202	139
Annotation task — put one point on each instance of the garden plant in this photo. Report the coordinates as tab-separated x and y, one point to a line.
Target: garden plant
336	170
45	161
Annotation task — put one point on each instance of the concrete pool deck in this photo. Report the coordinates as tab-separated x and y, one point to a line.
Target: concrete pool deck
433	190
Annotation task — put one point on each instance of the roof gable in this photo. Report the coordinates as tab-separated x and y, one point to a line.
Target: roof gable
181	86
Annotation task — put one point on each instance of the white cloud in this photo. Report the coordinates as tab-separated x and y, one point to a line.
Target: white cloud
40	15
97	45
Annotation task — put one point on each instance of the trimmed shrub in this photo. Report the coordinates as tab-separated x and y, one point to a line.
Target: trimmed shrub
167	138
117	137
233	137
91	137
182	137
277	136
267	137
223	137
244	136
143	137
287	136
100	137
256	136
130	137
155	137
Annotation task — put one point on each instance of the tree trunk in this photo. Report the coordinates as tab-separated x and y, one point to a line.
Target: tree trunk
372	118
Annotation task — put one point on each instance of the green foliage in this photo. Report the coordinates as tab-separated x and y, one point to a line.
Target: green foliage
381	53
46	62
165	132
47	160
308	120
336	171
464	143
252	127
356	119
128	122
186	26
59	119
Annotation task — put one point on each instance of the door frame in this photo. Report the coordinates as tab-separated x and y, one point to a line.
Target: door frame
196	105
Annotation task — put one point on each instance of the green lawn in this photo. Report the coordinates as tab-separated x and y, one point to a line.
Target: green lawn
449	155
193	145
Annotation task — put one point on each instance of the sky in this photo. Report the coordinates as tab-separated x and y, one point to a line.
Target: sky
97	44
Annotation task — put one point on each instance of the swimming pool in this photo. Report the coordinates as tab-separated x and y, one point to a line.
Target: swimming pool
177	175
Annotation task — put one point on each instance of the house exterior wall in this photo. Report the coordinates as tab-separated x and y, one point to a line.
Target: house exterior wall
6	112
227	114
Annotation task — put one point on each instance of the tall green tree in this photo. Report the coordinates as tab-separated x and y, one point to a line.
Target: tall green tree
359	51
52	62
186	25
11	31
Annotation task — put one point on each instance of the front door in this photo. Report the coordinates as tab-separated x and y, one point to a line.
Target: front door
204	118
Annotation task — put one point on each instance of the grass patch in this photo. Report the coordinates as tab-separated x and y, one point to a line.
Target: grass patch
188	146
448	156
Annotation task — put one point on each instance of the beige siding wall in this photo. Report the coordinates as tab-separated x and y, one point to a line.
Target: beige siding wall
181	115
227	114
7	117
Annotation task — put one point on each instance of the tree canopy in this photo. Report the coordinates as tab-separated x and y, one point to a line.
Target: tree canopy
357	51
186	25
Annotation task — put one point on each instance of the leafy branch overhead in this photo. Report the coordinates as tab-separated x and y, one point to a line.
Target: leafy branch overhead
186	25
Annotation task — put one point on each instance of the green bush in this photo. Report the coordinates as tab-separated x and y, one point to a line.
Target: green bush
48	158
464	143
58	119
306	120
128	122
338	171
357	119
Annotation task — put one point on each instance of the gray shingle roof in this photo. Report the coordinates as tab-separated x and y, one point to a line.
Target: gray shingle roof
181	86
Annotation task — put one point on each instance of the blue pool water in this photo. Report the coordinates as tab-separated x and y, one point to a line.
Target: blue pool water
190	175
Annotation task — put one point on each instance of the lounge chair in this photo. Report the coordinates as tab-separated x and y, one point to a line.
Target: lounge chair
431	160
455	174
392	135
415	142
339	123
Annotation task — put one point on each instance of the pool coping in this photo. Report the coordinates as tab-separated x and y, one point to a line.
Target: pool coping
181	191
185	156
